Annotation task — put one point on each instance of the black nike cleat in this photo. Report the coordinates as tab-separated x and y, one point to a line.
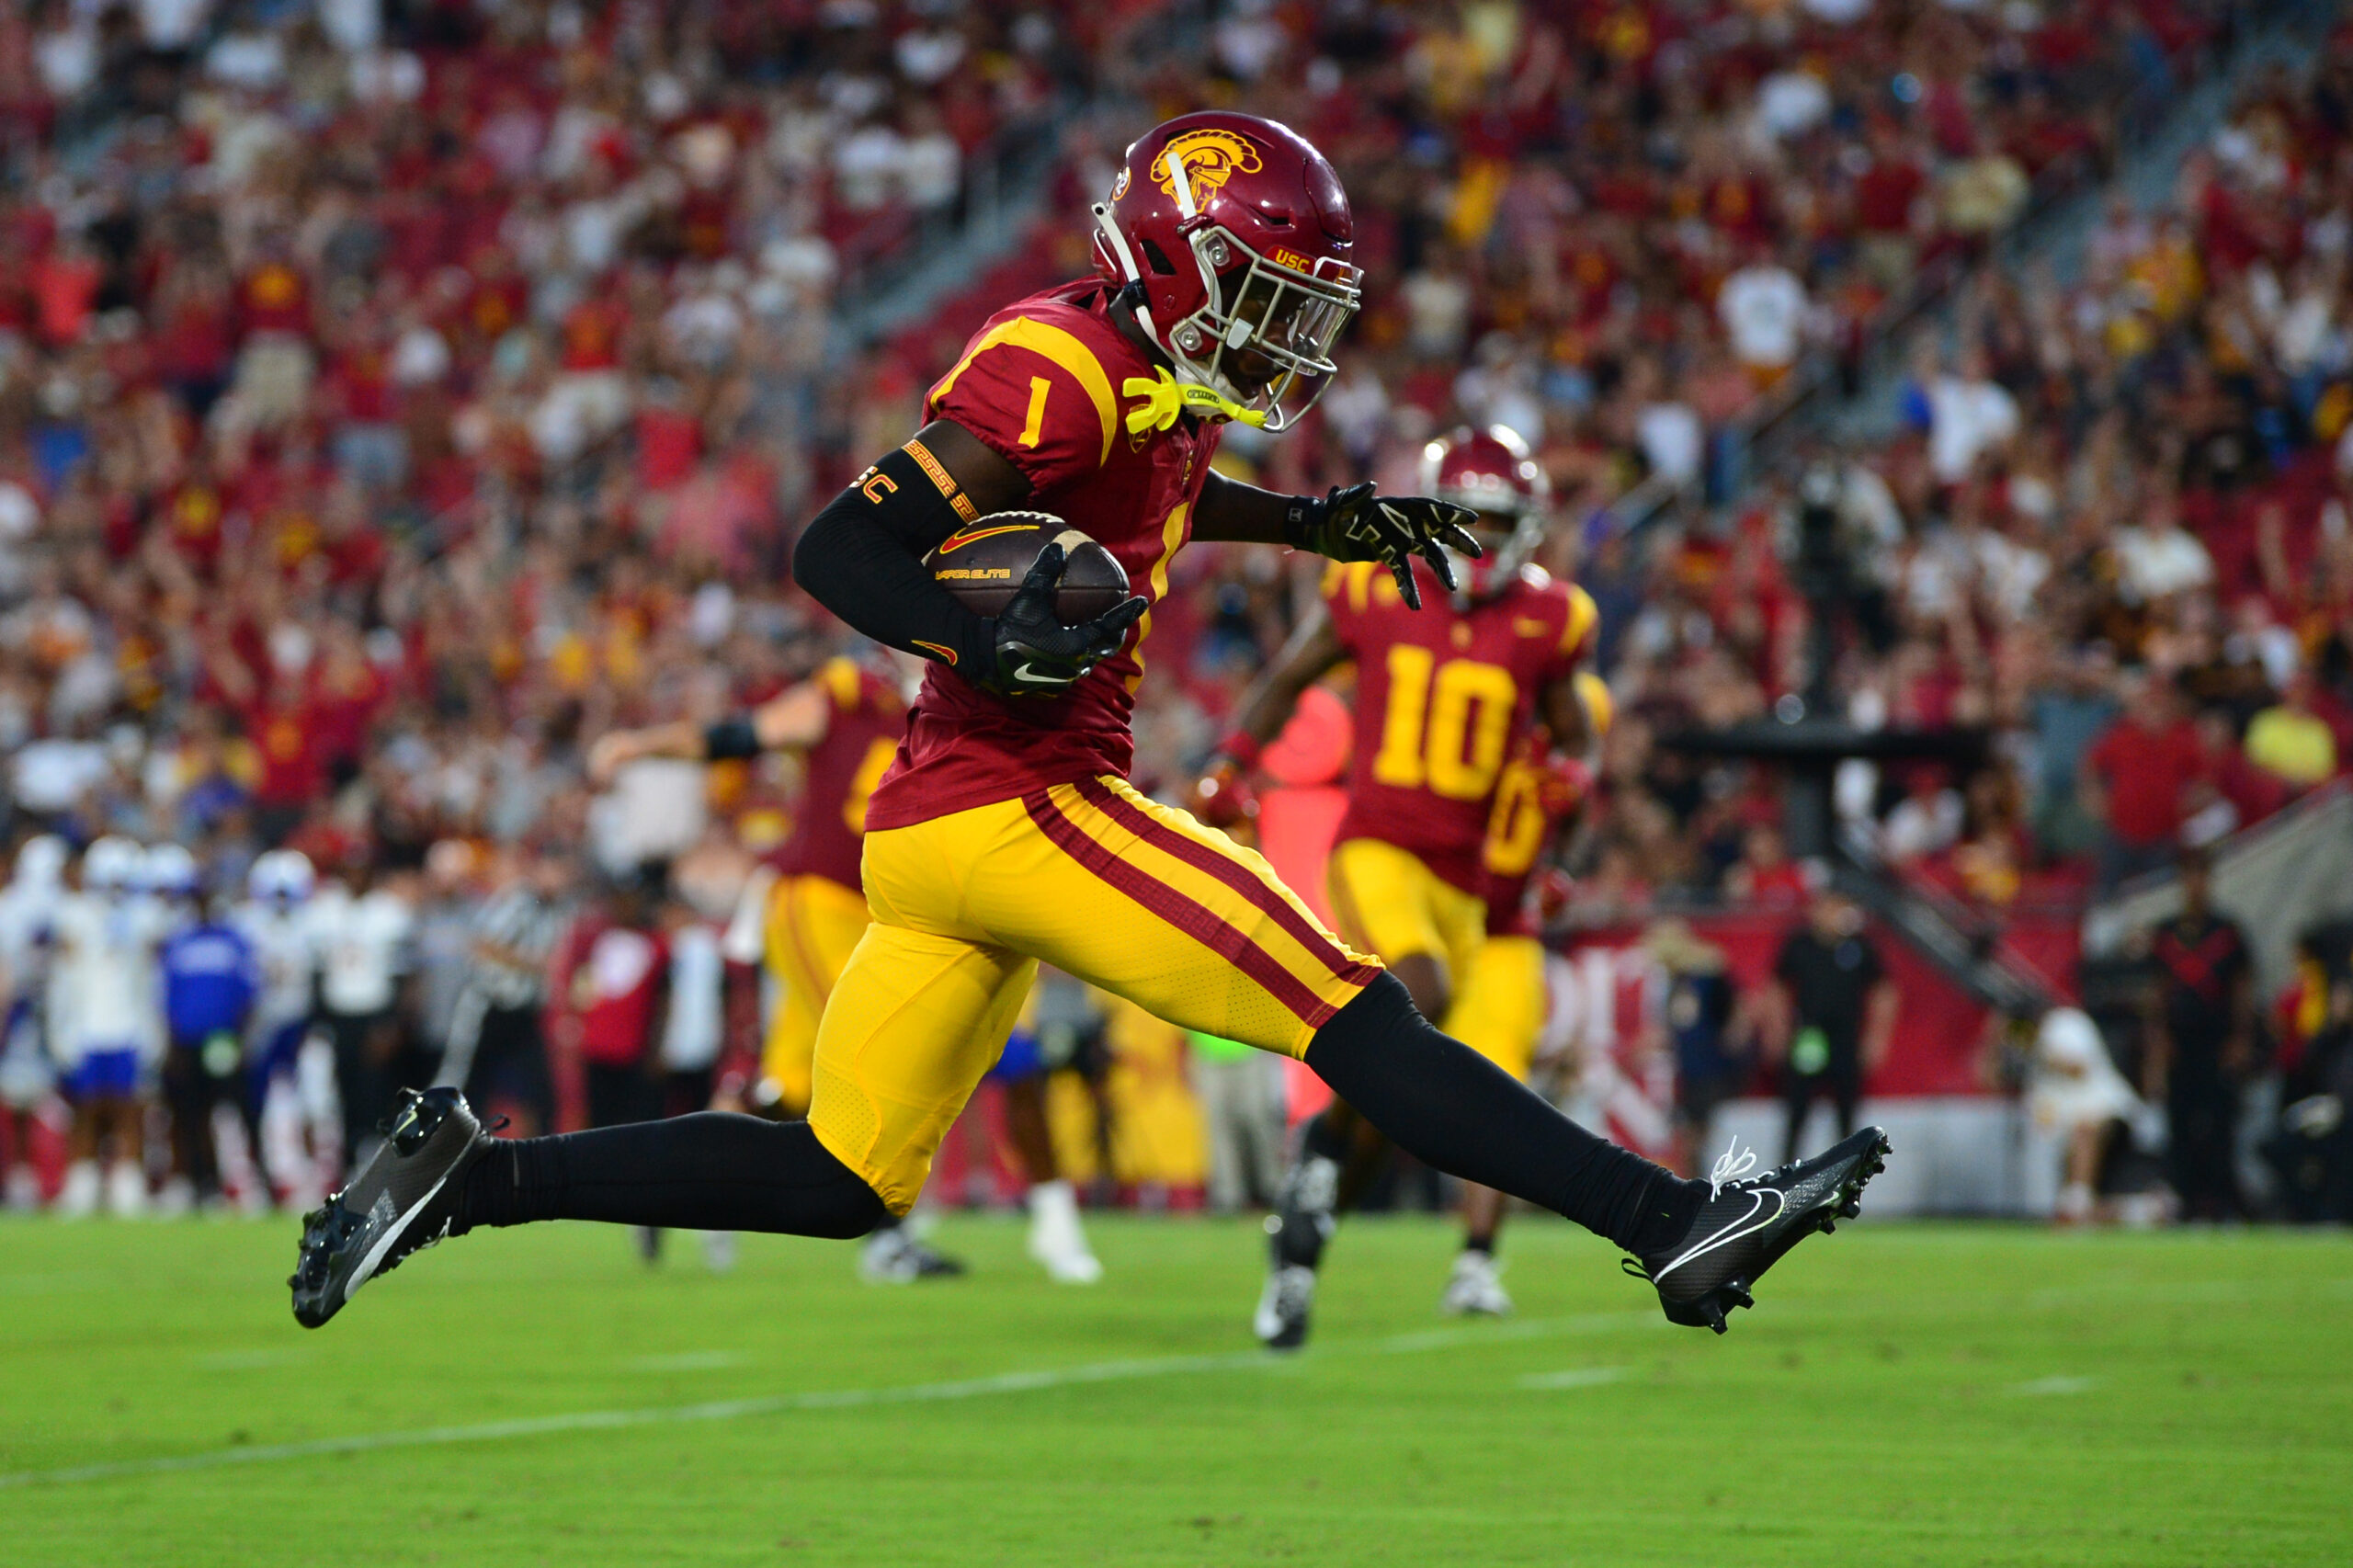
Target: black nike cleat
404	1199
1297	1232
1746	1226
1280	1322
891	1257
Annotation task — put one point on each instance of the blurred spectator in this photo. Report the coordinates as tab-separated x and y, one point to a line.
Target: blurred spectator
105	1027
694	1016
497	1051
2202	1043
1241	1094
1971	416
2292	742
1699	1009
363	928
1833	1011
2076	1093
28	933
611	977
212	979
2136	777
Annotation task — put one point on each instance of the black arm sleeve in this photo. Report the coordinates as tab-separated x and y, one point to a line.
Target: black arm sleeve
862	558
731	739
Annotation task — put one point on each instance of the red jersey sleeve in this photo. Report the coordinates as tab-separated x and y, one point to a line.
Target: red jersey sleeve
1580	624
1034	392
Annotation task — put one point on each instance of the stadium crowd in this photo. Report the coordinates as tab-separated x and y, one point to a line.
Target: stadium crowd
395	397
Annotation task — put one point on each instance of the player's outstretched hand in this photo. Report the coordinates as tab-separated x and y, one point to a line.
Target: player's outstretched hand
1037	655
1354	524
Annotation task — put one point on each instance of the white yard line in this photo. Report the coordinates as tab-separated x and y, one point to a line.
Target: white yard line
604	1420
1574	1378
2060	1385
257	1360
687	1361
1521	1328
821	1399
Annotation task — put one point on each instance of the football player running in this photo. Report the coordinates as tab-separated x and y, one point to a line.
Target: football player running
1005	832
1446	693
1500	1007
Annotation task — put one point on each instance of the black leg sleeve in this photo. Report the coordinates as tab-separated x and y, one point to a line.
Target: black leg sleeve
706	1172
1456	1110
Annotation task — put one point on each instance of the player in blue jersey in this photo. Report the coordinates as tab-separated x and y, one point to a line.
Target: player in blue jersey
212	979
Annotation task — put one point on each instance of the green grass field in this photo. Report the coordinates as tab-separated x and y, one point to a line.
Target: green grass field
1902	1396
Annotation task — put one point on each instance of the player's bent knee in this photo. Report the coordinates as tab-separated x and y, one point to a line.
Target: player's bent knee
824	1197
1383	1007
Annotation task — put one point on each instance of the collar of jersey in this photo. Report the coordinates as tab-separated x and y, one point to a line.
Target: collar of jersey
1165	398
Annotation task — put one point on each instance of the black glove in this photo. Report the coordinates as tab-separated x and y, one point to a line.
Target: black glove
1356	525
1034	655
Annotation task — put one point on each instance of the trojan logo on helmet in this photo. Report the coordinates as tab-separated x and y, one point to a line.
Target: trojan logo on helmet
1210	157
1232	238
1491	472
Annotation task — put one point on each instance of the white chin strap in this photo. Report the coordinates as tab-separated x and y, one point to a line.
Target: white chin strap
1129	272
1174	161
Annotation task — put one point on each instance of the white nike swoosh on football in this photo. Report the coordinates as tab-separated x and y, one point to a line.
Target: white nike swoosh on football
1023	674
1747	1225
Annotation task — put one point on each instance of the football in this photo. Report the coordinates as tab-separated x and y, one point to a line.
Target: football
983	563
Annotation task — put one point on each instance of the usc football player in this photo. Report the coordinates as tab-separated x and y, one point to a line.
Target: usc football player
1005	832
1446	695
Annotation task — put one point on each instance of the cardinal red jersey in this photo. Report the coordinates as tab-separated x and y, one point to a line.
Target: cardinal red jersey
1443	697
864	721
1044	385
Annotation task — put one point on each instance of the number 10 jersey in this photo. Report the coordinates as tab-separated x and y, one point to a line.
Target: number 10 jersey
1443	695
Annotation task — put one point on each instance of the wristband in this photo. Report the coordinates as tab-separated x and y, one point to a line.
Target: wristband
730	740
1243	748
1303	513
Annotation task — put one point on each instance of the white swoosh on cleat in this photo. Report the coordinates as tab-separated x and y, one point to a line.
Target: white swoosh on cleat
1747	1225
367	1268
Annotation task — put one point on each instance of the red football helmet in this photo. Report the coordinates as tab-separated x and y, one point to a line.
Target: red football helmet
1490	472
1236	234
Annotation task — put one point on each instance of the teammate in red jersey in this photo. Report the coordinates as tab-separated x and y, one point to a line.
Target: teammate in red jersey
1499	1008
1445	697
1007	833
846	722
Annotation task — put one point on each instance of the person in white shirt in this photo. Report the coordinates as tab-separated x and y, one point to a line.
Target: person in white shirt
2157	558
363	935
293	1087
694	1024
2077	1095
1763	307
28	1078
106	1025
1969	413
